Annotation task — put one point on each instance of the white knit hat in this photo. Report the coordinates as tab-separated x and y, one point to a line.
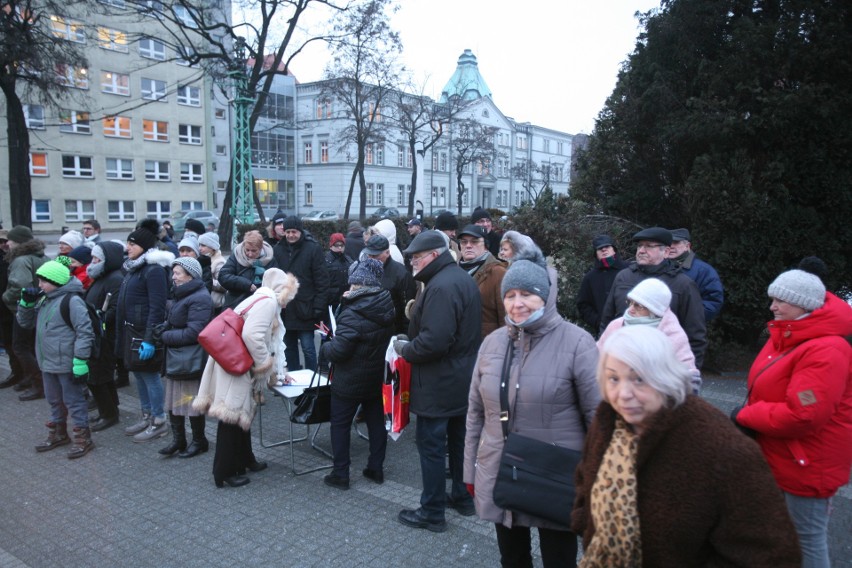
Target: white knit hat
209	239
799	288
653	294
72	238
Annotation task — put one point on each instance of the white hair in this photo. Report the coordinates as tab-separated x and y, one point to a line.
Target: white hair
652	356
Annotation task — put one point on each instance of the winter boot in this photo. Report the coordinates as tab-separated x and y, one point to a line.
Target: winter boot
57	436
156	429
82	443
199	443
140	426
178	443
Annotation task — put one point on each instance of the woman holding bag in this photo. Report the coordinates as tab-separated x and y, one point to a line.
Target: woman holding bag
552	397
184	357
233	398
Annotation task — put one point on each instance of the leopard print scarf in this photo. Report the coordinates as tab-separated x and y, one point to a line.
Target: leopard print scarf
617	540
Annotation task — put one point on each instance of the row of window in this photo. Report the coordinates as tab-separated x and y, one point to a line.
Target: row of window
79	210
114	83
74	166
114	40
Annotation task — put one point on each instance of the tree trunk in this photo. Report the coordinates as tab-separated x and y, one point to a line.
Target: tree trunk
362	181
20	189
351	191
413	191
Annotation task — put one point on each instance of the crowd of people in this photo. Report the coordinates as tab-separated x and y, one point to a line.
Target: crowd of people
664	479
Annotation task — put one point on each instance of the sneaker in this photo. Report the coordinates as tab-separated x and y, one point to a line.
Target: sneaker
464	508
137	427
156	429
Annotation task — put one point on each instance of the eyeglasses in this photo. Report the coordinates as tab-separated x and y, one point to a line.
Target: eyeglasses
648	247
87	229
637	305
419	257
337	245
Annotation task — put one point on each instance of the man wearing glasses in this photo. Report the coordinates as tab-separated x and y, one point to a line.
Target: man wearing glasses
651	251
445	336
92	232
488	274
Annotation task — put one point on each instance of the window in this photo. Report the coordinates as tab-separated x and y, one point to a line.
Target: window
115	83
78	210
117	126
184	16
220	113
41	211
114	3
221	185
38	164
121	210
159	209
380	154
324	151
71	30
188	95
157	170
155	130
309	194
557	173
368	154
154	90
221	150
546	145
119	168
375	194
149	7
191	173
521	142
190	205
34	117
443	161
400	155
152	49
370	189
502	198
111	39
189	134
323	108
70	76
77	166
270	150
402	195
374	113
74	122
309	152
434	161
559	148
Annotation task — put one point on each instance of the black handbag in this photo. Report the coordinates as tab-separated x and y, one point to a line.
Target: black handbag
313	406
185	360
535	478
132	340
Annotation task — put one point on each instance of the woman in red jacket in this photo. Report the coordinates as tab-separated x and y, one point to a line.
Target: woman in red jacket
800	403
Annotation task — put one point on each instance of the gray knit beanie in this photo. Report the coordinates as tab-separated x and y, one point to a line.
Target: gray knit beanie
799	288
368	272
210	240
528	276
190	243
192	266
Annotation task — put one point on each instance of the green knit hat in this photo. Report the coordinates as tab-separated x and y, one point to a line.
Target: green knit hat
54	272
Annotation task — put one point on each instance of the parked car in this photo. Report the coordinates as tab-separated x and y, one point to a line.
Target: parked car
386	213
178	218
321	216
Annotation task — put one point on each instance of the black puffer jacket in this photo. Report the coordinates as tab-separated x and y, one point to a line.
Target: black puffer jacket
305	260
337	264
445	332
358	348
595	288
402	287
109	282
190	312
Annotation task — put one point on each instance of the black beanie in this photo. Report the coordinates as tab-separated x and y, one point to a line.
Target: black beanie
195	226
143	237
293	222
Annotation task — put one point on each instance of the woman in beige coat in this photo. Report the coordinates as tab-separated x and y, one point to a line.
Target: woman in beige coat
233	399
553	393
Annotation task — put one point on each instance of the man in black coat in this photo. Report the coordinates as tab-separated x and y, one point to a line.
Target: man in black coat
354	240
651	262
299	254
395	279
445	336
597	282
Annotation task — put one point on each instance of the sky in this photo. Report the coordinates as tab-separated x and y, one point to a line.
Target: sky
549	62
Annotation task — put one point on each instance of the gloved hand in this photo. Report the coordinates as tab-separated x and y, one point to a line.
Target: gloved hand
80	371
470	489
29	296
744	429
146	351
157	332
399	342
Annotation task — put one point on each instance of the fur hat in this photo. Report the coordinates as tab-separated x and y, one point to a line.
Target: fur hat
284	284
293	222
446	221
20	234
368	272
654	234
189	264
336	238
189	242
799	288
54	272
195	226
526	275
653	294
81	254
72	238
209	240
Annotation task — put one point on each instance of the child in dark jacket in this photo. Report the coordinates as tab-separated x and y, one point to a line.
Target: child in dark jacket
62	353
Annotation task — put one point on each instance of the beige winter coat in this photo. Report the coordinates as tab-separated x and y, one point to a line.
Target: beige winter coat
553	394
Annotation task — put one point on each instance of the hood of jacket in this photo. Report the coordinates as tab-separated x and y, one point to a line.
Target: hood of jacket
833	318
113	255
265	258
34	247
372	303
387	230
73	286
159	257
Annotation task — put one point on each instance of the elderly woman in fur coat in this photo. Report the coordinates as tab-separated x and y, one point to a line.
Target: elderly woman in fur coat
233	399
666	479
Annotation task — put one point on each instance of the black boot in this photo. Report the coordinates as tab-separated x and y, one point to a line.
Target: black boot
199	443
178	443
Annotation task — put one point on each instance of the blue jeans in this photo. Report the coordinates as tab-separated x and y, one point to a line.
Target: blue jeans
292	338
151	393
435	436
810	517
65	398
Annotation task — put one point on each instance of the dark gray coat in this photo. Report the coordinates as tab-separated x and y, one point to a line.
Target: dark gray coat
190	313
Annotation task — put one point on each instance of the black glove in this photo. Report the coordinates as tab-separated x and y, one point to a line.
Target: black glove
157	332
747	431
31	295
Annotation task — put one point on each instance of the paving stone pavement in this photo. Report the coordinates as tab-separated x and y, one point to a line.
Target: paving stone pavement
124	505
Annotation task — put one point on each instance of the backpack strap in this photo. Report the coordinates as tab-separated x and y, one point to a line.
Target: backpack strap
65	309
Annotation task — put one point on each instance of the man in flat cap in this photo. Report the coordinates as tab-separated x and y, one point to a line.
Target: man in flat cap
597	282
704	275
651	248
488	274
445	336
